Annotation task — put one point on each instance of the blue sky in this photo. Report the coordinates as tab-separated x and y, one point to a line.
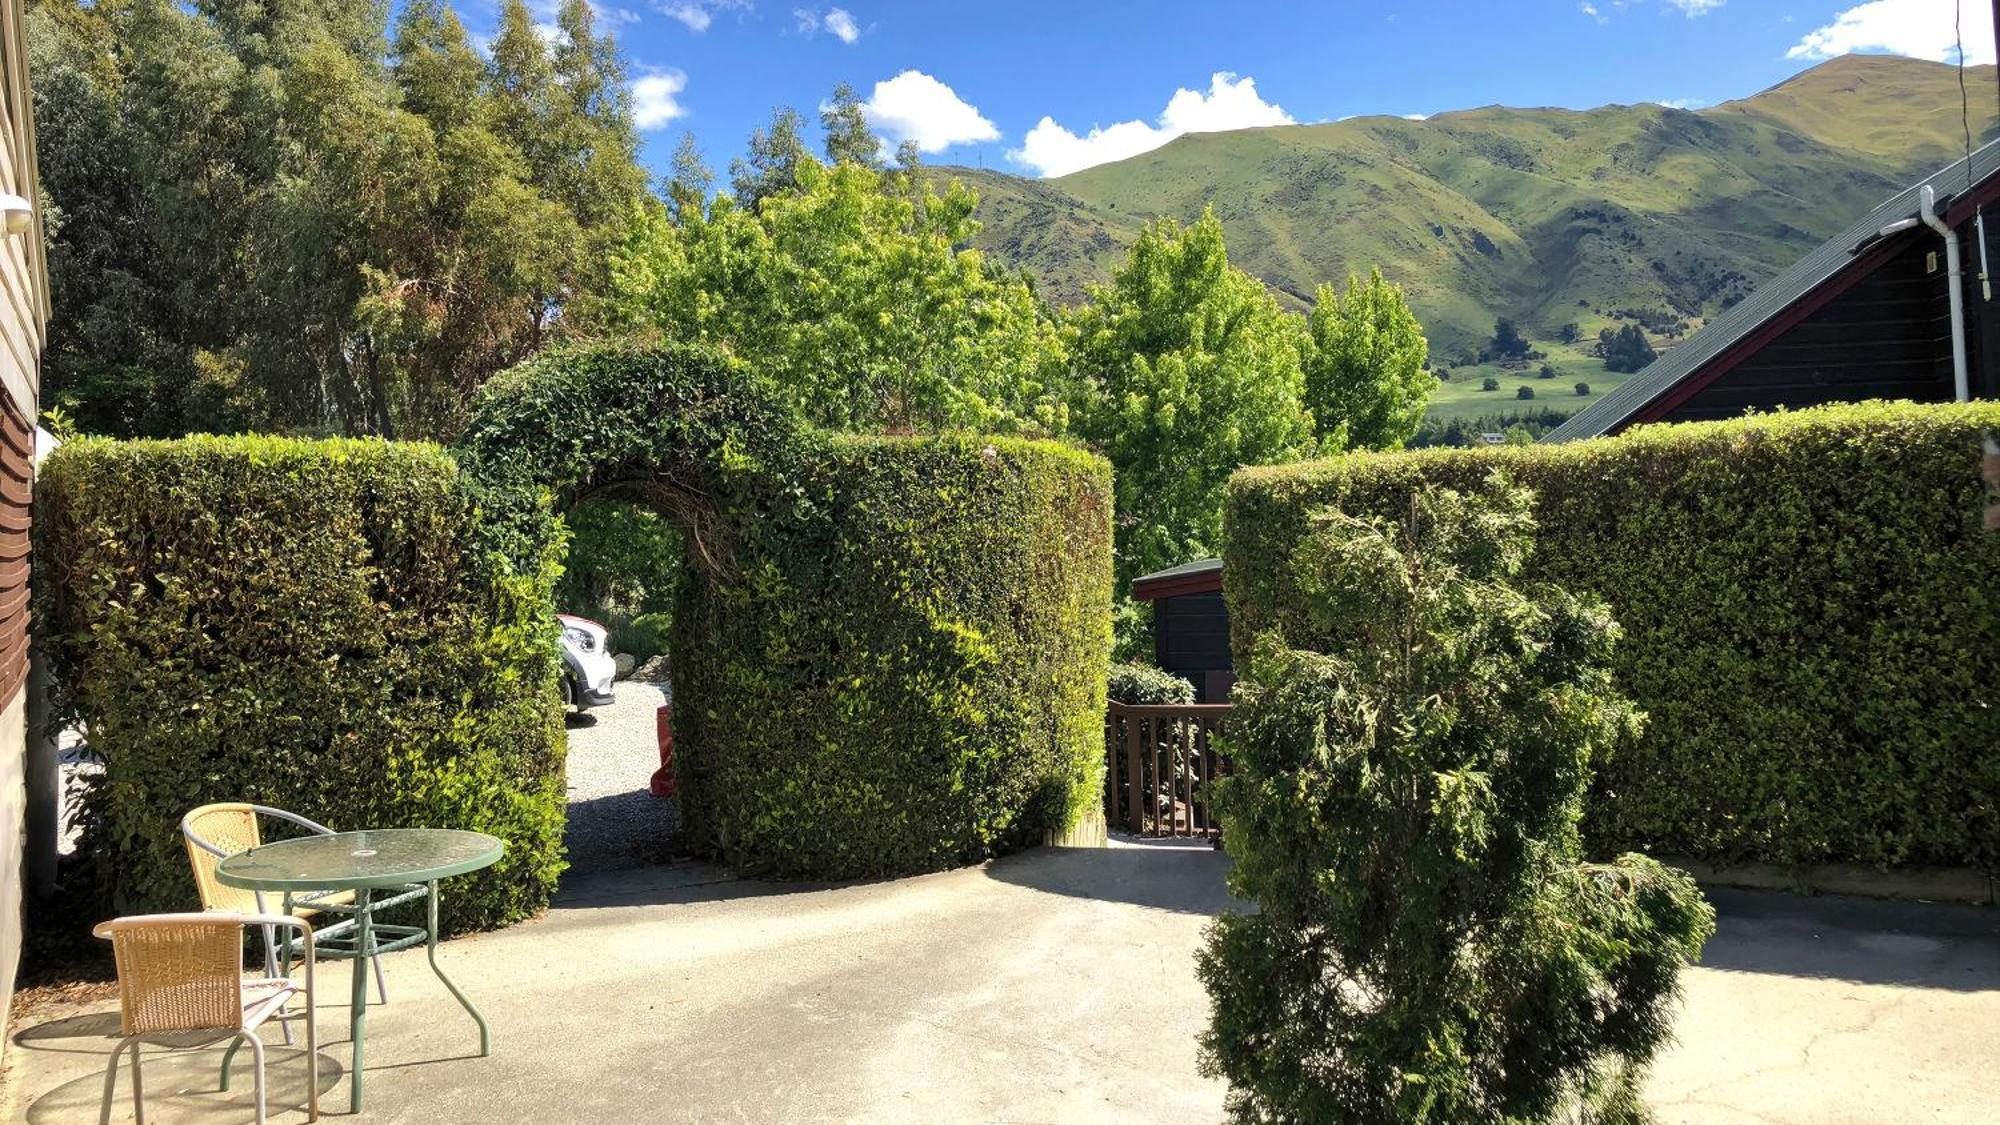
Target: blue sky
1020	85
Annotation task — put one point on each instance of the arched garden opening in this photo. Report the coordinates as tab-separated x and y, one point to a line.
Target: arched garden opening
889	652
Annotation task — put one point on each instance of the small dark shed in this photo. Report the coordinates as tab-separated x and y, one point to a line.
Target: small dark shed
1191	626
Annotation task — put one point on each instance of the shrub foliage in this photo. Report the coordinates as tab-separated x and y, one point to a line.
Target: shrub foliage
307	624
889	653
1404	810
1141	684
1809	605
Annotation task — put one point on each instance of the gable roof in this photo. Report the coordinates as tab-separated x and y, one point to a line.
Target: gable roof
1769	300
1201	576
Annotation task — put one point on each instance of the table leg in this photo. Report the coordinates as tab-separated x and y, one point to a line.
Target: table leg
364	951
485	1037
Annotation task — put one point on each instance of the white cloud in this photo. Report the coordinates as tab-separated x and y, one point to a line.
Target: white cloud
1230	103
1590	10
1918	28
698	14
1682	103
1693	8
837	22
656	98
913	106
1416	117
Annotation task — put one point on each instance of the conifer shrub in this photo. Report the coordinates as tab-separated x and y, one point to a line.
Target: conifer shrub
1404	810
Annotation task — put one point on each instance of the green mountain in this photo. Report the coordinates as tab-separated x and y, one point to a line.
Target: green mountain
1549	216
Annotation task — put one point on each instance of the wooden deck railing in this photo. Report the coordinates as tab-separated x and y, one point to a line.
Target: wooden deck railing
1161	760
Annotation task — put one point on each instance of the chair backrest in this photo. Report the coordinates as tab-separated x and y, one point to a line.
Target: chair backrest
178	972
210	833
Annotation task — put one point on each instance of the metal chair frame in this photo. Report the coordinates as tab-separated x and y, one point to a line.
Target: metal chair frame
337	941
174	1002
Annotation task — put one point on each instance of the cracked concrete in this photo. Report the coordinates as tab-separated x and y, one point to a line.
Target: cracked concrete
1050	986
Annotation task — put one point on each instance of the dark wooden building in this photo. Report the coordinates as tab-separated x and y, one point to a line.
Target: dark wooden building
1866	315
1191	626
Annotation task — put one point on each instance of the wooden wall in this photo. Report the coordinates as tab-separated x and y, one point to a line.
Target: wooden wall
23	312
1191	640
1887	336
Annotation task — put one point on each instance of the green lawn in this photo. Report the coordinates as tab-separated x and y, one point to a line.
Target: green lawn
1463	398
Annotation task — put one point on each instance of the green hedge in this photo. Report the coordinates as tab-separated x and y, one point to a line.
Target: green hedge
306	624
889	653
1812	616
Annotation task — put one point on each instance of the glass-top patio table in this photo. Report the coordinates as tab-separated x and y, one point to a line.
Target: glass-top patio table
403	861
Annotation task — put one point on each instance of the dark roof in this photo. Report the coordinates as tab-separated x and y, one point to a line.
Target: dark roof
1199	576
1772	298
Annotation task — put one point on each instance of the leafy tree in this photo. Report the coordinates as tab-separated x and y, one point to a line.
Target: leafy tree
1365	382
1507	342
848	138
852	295
110	359
1569	333
273	215
1429	944
691	182
772	165
1187	370
1546	372
1524	391
1489	383
1583	388
1627	349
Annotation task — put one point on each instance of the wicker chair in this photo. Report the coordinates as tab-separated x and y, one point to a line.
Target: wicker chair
214	832
184	973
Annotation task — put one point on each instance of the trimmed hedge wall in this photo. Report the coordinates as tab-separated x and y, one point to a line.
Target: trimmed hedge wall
889	653
306	624
1811	610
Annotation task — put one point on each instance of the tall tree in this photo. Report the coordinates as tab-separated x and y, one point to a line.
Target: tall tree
691	182
772	164
268	215
1365	381
1187	370
848	138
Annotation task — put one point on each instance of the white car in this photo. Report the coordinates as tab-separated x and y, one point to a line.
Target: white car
589	672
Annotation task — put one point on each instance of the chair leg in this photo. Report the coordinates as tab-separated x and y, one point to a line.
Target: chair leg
272	969
111	1082
138	1088
257	1052
381	986
228	1057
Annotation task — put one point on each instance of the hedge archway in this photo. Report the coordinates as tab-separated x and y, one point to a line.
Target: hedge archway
889	653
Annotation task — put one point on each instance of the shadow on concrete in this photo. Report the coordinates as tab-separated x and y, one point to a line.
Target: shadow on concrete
621	830
1869	941
1182	876
183	1085
676	883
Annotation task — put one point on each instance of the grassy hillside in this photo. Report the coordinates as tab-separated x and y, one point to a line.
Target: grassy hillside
1549	216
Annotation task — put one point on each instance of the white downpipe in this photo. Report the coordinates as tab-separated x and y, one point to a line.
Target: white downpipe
1928	210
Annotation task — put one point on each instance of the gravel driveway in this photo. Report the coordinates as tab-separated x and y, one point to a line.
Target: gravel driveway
614	819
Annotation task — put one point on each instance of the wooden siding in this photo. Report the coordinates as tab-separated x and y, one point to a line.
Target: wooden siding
24	311
1886	336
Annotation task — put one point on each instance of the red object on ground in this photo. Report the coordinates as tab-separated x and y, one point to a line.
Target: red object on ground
663	778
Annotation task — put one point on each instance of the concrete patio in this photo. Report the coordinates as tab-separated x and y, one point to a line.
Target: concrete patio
1048	986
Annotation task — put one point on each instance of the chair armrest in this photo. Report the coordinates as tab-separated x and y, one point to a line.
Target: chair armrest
302	822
